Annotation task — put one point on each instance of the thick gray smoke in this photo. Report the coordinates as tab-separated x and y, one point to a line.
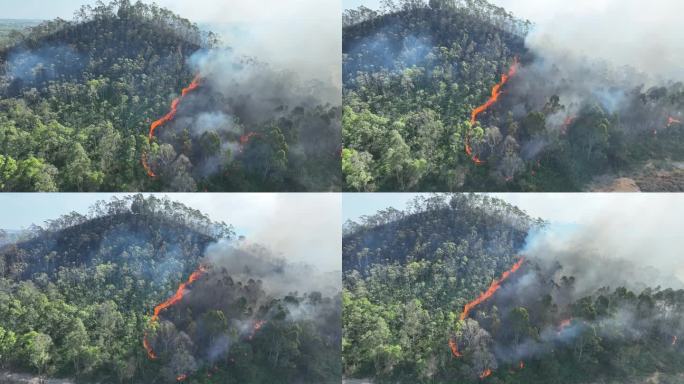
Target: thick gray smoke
644	35
303	36
635	247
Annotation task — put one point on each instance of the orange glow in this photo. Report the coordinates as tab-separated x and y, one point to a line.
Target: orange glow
564	324
454	348
196	82
180	292
487	372
182	377
496	284
173	300
672	121
496	93
521	365
148	348
257	326
674	340
567	123
244	139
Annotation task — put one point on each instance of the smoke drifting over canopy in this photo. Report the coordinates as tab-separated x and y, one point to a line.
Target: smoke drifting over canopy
646	36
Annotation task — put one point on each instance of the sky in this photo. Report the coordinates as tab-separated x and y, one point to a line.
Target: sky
303	227
300	35
643	228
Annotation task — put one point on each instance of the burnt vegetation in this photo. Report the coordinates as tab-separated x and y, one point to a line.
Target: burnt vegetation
409	274
415	70
77	295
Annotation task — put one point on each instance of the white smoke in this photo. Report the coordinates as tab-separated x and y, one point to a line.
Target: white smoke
644	35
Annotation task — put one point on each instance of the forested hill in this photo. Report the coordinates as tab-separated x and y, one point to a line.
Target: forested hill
78	96
149	233
78	294
415	71
438	229
408	276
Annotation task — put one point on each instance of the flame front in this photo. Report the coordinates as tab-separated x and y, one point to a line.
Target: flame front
454	348
564	324
496	284
521	365
257	326
496	93
674	340
196	82
486	373
182	377
173	300
672	121
148	348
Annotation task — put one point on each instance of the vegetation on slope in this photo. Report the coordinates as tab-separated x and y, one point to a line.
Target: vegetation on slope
408	275
414	72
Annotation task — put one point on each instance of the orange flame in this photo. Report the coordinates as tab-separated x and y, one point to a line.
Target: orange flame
521	365
496	284
454	348
257	326
148	348
173	300
564	324
486	373
672	121
181	377
196	82
244	139
674	340
496	93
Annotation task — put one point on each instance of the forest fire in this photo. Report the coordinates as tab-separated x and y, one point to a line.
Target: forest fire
181	377
496	93
257	326
566	124
496	284
674	340
672	121
564	324
173	300
244	139
148	348
521	365
196	82
485	374
454	348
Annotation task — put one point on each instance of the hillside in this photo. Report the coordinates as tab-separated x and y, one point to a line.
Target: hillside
79	98
444	293
100	298
419	112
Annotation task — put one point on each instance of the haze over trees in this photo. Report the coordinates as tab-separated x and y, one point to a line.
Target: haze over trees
414	71
78	98
77	296
408	275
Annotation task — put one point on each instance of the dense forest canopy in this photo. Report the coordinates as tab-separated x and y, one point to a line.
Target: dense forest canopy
415	71
79	97
77	298
409	275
